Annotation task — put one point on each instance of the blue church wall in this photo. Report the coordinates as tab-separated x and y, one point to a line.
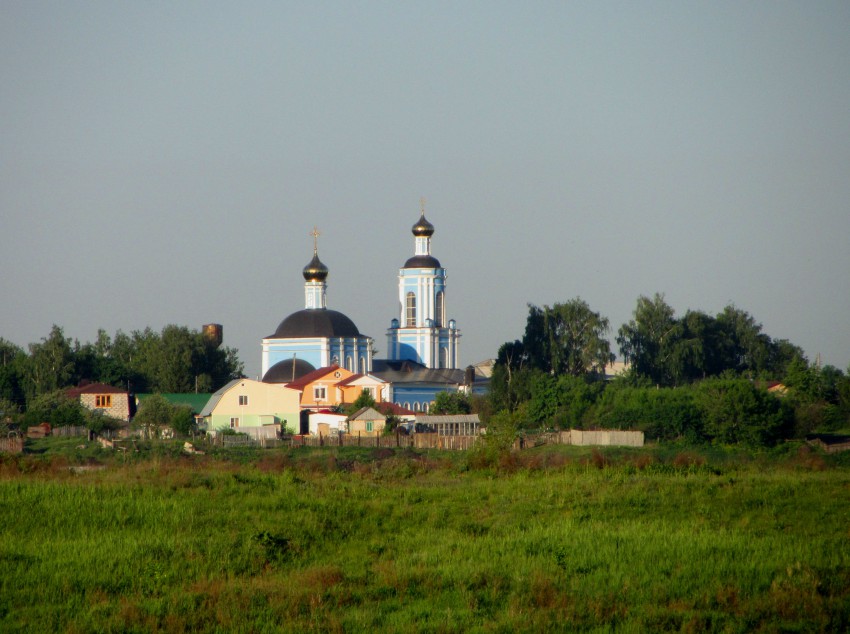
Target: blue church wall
423	395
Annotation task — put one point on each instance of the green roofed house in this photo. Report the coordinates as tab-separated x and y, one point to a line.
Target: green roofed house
258	409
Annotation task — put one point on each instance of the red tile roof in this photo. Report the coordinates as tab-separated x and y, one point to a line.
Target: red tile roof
395	410
315	375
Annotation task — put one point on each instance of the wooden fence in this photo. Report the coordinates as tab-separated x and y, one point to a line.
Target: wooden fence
70	430
830	447
13	444
415	441
580	437
602	438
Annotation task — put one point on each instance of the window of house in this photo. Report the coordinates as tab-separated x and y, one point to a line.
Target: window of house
349	364
369	425
410	310
370	391
362	366
320	393
243	399
439	317
234	422
444	357
103	400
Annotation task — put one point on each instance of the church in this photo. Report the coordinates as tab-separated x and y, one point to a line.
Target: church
422	344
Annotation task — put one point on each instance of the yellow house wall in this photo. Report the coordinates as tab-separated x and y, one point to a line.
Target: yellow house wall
350	393
356	427
264	400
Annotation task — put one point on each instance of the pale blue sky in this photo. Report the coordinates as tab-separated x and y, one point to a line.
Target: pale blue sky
164	162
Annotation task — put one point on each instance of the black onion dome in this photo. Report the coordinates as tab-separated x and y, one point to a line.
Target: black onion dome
315	271
423	228
422	262
287	371
315	322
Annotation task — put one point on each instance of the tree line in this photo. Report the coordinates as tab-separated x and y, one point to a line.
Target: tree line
699	377
177	359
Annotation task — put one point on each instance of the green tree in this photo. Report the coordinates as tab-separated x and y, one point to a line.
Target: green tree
51	364
181	360
183	421
651	342
745	349
56	408
567	338
509	381
10	413
736	411
365	399
451	403
154	413
13	361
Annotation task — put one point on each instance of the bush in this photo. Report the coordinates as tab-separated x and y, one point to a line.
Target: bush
735	411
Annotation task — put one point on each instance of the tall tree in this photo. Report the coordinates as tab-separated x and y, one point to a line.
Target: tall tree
746	350
651	341
51	364
13	361
567	338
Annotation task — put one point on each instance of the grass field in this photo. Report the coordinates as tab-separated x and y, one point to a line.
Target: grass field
552	539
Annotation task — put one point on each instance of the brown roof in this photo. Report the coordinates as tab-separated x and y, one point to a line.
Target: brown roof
394	409
315	375
94	388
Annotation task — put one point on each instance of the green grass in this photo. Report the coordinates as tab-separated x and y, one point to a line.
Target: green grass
553	539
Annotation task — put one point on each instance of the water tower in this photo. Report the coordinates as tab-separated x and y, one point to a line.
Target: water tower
213	333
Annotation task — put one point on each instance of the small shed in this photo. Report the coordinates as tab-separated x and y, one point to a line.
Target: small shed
367	421
327	422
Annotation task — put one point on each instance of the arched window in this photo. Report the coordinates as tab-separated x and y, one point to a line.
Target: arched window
410	310
444	357
406	405
362	369
416	407
439	308
349	364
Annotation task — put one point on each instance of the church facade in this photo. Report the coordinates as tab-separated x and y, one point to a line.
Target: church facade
423	345
316	336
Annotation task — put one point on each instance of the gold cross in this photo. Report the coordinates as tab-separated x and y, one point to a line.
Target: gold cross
315	233
422	204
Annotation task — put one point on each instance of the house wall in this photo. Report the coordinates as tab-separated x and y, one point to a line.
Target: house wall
359	427
327	423
120	405
267	403
333	393
351	393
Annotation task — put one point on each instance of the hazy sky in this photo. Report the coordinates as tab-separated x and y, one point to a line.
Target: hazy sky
164	162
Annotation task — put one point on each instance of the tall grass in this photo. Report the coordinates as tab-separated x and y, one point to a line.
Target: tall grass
399	541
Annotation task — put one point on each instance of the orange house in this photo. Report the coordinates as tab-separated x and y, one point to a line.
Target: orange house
320	388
